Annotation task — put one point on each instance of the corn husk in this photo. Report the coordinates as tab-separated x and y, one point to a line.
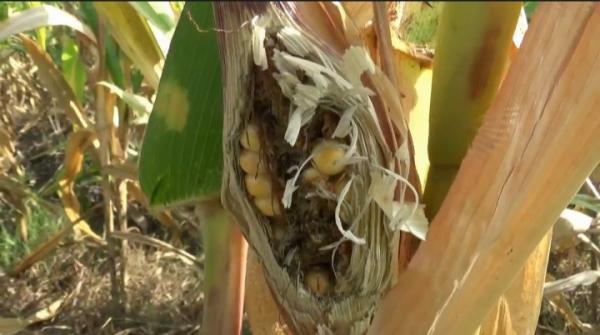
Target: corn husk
377	172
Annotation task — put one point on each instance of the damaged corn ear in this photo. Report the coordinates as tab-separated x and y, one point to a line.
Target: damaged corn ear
329	158
250	162
304	112
249	138
268	206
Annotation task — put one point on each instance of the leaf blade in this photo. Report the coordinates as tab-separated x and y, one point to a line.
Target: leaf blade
73	69
160	19
134	36
56	83
42	16
181	156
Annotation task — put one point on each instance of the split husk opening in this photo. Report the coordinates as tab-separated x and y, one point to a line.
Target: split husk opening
328	245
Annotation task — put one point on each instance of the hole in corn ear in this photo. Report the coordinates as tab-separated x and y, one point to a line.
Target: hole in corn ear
329	158
249	139
259	185
318	281
304	113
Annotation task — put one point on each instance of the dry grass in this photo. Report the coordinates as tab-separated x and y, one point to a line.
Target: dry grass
562	265
164	294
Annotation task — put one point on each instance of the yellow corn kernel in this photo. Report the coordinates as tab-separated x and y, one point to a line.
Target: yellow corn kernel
328	158
268	206
312	175
318	281
249	138
251	163
259	185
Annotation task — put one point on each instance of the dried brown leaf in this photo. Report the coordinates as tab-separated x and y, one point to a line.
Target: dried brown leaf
56	84
76	144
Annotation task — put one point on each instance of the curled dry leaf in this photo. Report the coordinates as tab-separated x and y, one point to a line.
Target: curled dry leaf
559	302
55	83
41	251
583	278
76	144
7	151
9	326
75	147
328	239
17	196
41	16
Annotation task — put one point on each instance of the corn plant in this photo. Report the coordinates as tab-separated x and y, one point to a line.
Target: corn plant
356	182
316	150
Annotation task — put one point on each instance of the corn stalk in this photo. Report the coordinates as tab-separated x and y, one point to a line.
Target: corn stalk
541	124
224	270
471	54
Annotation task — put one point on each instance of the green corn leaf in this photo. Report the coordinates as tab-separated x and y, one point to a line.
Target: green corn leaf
111	50
88	14
73	69
587	202
136	79
162	19
113	61
181	156
137	102
3	11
